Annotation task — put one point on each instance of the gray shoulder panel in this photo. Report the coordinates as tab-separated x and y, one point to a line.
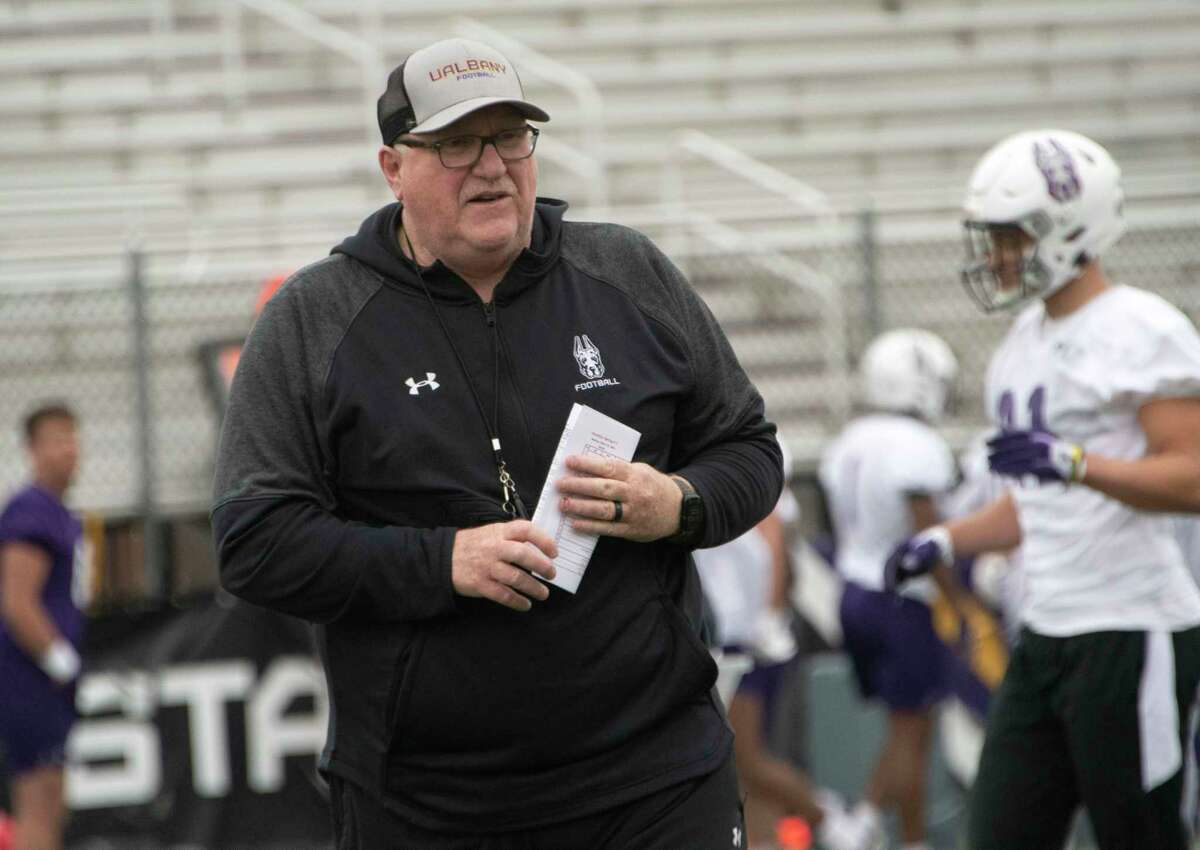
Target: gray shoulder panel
272	435
629	261
317	306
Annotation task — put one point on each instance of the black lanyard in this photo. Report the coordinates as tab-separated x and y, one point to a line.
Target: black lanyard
511	502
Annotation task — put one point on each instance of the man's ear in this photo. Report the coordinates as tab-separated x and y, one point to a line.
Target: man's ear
391	163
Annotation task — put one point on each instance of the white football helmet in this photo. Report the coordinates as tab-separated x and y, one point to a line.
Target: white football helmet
1060	189
909	371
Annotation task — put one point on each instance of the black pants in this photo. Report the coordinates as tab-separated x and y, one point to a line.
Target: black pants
700	814
1065	727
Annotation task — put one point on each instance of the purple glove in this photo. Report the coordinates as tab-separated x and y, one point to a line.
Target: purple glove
916	556
1038	453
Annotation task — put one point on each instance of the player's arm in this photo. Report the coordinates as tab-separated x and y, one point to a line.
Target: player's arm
923	513
992	528
24	569
1167	477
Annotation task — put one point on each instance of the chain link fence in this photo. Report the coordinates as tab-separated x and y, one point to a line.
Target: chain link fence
921	288
73	341
79	344
887	282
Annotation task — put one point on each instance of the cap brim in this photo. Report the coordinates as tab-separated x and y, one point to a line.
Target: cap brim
440	120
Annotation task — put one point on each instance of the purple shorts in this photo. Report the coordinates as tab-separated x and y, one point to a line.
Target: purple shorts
898	657
764	681
35	716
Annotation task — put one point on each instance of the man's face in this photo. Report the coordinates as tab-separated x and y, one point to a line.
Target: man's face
1010	246
466	216
54	450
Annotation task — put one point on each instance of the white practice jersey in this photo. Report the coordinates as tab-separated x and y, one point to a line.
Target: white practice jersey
868	473
1091	563
1187	532
977	485
736	577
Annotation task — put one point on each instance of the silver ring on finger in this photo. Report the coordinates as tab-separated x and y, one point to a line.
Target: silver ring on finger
618	510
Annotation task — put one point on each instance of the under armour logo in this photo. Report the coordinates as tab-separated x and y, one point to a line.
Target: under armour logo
737	836
414	387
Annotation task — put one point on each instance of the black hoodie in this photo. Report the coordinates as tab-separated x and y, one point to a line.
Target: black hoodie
353	450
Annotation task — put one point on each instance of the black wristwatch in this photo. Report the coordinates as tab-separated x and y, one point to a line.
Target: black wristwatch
691	515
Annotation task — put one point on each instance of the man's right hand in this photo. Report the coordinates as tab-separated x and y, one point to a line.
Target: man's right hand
495	561
917	555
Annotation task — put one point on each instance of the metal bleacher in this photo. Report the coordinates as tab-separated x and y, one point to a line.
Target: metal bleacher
125	121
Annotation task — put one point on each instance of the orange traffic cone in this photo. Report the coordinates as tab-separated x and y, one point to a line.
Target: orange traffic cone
793	833
6	831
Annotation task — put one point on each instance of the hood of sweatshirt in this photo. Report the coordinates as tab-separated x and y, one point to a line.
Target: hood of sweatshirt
376	246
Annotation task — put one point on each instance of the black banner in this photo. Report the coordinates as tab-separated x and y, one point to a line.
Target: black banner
199	727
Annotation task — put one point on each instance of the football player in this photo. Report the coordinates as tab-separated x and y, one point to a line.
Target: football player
745	582
1094	395
41	628
995	577
882	478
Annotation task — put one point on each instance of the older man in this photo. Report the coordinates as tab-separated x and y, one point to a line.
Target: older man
396	409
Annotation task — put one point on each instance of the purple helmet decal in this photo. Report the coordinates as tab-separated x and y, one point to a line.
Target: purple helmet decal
1056	165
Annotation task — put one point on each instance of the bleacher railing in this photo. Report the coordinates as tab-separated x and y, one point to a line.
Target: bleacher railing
811	207
585	161
365	54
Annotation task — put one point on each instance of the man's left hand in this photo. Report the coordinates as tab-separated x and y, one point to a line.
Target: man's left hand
593	487
1038	453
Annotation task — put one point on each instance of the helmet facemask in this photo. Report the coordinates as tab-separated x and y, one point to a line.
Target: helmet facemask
1004	267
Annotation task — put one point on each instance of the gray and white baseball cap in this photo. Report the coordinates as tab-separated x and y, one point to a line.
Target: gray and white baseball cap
441	83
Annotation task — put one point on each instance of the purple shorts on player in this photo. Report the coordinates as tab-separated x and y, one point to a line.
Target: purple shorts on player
35	716
764	682
897	656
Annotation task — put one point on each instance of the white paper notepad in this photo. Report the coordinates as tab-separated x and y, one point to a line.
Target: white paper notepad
587	432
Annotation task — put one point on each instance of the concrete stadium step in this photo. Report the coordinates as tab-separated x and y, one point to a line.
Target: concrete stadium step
615	27
260	166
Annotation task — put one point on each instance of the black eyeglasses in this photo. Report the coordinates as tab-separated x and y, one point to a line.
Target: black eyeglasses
465	151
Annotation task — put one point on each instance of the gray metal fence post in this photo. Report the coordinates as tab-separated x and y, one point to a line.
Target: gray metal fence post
154	565
870	259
